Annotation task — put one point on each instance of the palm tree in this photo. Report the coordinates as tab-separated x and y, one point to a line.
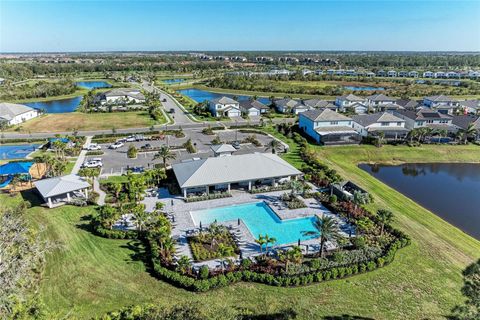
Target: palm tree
165	154
359	198
274	145
297	187
224	251
141	218
327	229
385	217
183	264
269	240
293	255
468	132
261	241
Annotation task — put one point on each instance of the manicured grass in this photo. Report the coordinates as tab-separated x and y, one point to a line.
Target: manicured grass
78	92
87	275
57	122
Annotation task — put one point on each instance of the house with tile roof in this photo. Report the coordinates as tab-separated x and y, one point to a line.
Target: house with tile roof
328	127
441	103
426	118
391	126
225	107
352	103
253	107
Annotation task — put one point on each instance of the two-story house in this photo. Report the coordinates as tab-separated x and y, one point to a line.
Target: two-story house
464	121
441	103
225	107
351	102
377	100
425	118
391	126
328	127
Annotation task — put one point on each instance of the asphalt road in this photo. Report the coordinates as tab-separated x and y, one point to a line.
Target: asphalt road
181	120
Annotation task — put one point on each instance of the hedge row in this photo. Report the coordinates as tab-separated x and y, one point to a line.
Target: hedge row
223	280
270	189
114	233
208	197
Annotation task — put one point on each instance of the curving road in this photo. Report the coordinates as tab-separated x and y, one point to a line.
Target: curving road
181	119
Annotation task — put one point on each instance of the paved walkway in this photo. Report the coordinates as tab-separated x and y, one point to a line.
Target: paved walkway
101	194
82	155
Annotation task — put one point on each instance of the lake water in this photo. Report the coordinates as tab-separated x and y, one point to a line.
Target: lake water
450	190
57	106
201	95
366	88
172	81
93	84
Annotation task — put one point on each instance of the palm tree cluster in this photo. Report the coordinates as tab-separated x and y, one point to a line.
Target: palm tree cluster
55	165
165	154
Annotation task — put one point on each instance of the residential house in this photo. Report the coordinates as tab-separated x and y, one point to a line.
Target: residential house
428	74
441	103
122	95
439	74
426	118
253	107
391	126
319	72
470	106
317	103
403	74
462	122
377	100
351	73
370	74
392	73
351	102
381	73
330	72
407	104
237	171
225	107
328	127
452	74
12	113
413	74
389	107
288	105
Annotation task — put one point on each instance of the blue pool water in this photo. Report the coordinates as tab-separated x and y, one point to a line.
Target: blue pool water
367	88
171	81
93	84
57	106
202	95
260	219
16	151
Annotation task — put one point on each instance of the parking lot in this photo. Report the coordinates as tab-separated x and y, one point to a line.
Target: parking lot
116	161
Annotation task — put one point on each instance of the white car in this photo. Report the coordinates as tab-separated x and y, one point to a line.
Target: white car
130	139
93	163
116	145
94	147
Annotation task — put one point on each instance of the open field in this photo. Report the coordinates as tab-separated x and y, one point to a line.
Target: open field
87	275
58	122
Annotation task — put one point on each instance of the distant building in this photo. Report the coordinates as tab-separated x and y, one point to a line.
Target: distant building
428	74
12	114
413	74
352	103
378	100
317	104
288	105
470	106
253	107
120	96
392	73
407	104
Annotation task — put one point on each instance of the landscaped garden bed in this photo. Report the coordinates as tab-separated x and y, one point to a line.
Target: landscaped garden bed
214	242
211	196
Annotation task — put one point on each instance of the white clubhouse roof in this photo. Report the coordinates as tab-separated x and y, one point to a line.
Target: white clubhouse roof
8	111
60	185
222	170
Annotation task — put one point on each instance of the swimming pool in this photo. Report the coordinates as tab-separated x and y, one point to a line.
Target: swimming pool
260	219
19	151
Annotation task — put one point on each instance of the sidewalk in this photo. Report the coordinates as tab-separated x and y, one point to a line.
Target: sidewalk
81	156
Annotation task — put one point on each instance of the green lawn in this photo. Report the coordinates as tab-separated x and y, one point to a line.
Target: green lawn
87	275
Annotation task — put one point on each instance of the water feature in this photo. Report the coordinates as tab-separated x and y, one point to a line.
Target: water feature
259	219
450	190
201	95
364	88
93	84
18	151
57	106
173	81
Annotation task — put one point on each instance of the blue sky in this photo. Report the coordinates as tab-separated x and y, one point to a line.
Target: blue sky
239	25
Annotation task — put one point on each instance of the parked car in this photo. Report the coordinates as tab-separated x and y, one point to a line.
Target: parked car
116	145
93	163
146	146
130	139
93	147
164	100
172	110
236	145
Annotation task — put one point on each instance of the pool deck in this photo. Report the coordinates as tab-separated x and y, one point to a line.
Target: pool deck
182	223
